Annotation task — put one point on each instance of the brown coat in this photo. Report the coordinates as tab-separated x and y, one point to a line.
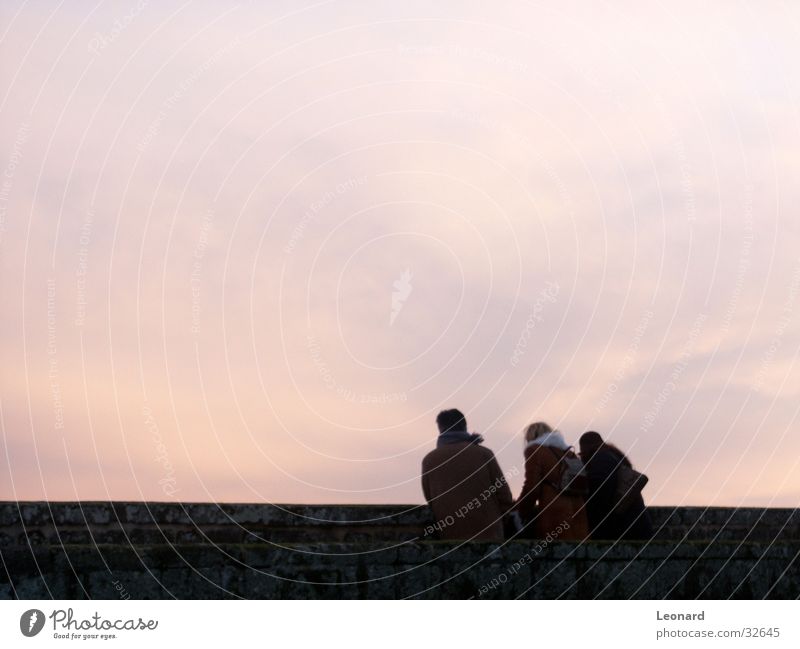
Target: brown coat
542	502
466	491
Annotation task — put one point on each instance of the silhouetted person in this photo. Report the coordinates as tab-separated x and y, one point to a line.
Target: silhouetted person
552	501
614	512
463	484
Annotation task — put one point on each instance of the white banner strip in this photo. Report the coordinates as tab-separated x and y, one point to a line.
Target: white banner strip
401	624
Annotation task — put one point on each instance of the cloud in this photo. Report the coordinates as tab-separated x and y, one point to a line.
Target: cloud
224	199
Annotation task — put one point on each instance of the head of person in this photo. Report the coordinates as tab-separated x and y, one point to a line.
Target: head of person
537	430
451	421
590	443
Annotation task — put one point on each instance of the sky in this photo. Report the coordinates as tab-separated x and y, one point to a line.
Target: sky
249	251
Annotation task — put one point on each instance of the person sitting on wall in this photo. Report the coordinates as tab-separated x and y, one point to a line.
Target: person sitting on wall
463	484
615	505
552	502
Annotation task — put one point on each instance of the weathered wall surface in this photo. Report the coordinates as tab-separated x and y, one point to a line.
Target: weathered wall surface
157	550
57	523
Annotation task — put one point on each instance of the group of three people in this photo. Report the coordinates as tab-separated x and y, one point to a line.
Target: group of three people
596	495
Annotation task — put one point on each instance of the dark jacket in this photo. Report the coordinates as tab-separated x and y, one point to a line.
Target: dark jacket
466	491
635	523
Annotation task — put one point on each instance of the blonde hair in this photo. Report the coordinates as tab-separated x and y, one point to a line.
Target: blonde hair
537	430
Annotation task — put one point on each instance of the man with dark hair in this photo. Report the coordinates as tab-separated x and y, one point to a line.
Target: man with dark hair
451	420
463	484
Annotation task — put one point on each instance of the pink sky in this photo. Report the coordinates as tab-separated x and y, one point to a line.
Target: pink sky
248	253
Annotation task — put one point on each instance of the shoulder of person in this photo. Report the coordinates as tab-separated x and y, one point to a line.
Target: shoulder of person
615	454
430	456
532	454
539	451
485	452
605	456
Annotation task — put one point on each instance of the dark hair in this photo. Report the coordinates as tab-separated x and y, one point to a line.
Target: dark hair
448	420
591	442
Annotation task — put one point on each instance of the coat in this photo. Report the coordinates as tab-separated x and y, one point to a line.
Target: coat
541	504
635	523
466	491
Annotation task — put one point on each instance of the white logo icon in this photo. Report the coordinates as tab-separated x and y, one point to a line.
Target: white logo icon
402	289
31	622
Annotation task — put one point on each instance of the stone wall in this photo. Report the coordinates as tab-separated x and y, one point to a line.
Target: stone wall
159	550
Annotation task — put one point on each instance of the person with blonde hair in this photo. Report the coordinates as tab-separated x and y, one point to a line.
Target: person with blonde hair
552	501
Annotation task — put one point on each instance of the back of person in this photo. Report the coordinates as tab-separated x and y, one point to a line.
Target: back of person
544	504
606	522
466	491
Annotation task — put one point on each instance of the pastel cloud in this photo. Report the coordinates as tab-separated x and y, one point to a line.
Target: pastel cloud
243	186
